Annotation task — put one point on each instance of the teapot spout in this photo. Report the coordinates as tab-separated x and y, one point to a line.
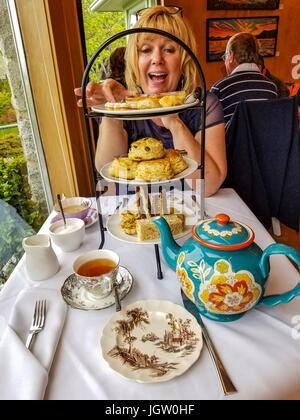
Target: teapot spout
170	248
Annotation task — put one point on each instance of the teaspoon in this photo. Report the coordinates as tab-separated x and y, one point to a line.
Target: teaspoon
117	283
61	209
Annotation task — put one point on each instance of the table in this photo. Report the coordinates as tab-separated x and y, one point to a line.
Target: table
261	351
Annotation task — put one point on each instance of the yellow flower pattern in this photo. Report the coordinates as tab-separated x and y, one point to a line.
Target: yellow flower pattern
186	284
228	292
225	292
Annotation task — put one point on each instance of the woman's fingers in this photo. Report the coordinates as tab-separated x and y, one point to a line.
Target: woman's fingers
92	88
99	93
132	93
89	103
77	91
94	94
108	93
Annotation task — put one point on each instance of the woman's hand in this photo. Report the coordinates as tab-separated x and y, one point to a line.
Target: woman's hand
100	93
171	122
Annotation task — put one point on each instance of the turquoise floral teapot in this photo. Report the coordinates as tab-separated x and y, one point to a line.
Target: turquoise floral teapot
221	269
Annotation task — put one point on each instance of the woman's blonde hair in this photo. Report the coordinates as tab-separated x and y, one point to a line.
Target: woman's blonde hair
159	17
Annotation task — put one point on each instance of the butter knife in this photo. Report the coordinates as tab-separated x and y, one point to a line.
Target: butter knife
226	383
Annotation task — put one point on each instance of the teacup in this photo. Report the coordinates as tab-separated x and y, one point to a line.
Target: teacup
67	238
75	207
97	272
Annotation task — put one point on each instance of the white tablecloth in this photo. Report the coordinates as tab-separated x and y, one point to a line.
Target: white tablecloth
261	351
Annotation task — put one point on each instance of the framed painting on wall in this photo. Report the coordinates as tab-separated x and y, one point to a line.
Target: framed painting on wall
219	31
242	4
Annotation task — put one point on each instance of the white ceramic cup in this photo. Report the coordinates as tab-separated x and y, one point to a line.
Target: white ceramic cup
67	238
98	286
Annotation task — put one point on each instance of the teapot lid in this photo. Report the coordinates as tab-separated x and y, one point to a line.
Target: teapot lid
222	233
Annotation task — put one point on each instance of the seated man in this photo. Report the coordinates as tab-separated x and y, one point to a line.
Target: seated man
244	82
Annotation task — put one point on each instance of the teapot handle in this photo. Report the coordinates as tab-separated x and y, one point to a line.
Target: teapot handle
264	264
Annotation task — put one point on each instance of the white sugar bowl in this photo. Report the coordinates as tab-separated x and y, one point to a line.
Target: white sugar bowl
68	238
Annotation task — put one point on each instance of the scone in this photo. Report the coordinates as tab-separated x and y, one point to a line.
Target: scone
154	170
172	99
177	162
146	149
123	168
146	229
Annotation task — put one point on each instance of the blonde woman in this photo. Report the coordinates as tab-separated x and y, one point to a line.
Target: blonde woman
156	64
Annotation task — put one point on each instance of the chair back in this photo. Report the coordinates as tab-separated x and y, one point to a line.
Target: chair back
263	153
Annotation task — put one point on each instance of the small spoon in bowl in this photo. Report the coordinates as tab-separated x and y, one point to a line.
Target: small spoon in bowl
61	209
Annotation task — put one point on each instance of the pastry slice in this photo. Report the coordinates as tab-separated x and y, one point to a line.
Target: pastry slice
144	101
146	229
128	222
172	99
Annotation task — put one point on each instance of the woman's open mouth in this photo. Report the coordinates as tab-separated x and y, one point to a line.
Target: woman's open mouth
158	77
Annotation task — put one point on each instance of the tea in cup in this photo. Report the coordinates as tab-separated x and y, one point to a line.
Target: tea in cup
75	207
97	272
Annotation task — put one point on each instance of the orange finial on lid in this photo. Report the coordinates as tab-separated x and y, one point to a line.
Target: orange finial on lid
222	219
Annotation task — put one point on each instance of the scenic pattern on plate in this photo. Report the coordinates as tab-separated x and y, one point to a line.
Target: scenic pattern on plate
151	344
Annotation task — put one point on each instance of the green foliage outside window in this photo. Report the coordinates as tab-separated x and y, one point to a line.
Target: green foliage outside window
7	113
20	215
98	28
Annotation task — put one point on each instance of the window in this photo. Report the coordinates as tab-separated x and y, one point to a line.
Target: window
25	196
99	27
131	13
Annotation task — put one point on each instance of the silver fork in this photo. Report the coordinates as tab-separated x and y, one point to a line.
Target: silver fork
38	321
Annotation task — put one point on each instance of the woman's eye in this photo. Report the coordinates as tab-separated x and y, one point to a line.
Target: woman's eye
145	50
170	50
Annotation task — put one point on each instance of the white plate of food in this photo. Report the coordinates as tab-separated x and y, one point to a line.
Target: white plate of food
163	341
192	167
114	228
143	114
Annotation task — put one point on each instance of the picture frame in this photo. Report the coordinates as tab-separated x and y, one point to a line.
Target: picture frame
242	4
219	30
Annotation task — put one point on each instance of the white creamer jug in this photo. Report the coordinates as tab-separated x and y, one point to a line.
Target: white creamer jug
41	260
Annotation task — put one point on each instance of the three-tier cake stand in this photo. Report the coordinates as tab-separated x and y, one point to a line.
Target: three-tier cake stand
200	102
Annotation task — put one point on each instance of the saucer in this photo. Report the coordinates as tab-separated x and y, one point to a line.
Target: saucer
89	220
75	295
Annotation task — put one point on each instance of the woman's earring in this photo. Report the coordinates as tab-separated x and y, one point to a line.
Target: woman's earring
180	83
139	89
